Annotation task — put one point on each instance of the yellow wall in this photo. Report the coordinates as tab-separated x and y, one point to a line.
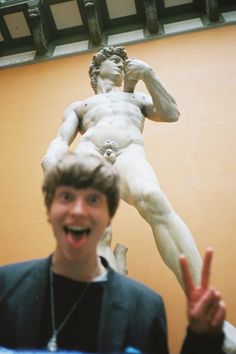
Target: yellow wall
194	158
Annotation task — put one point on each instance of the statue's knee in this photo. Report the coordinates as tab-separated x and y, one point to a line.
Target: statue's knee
153	201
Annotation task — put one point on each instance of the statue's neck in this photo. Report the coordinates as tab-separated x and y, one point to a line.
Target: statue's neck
106	86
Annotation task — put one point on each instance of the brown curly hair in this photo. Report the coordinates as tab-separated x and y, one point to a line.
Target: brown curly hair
83	171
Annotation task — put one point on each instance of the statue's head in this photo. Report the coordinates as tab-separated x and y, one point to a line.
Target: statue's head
100	57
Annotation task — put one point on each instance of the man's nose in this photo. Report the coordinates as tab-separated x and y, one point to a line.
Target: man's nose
78	207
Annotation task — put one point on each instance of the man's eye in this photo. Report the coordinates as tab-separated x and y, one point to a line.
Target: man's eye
93	199
66	196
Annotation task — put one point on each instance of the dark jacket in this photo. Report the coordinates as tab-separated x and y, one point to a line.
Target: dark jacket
131	315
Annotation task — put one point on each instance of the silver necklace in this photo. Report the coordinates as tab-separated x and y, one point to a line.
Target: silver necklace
52	343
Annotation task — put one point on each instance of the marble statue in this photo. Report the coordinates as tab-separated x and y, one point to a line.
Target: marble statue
111	123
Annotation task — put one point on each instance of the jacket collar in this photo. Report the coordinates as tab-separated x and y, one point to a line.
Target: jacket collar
114	313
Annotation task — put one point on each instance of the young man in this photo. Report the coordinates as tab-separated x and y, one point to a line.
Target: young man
73	300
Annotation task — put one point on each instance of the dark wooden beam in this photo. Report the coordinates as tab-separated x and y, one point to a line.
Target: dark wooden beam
38	29
212	10
151	15
95	34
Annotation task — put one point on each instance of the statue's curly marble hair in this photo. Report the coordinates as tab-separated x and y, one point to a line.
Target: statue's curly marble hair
100	57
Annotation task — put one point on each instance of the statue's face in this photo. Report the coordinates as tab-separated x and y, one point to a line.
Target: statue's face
112	68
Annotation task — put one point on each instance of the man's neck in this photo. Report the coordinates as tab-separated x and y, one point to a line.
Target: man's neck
78	270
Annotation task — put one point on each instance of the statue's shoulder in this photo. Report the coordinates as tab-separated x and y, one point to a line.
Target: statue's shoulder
72	106
71	109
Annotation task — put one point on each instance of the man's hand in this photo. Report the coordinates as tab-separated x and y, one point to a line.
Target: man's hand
205	309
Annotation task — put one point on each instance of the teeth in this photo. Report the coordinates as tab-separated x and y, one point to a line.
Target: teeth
75	228
78	231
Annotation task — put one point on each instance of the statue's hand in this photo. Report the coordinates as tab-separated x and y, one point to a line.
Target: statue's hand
136	69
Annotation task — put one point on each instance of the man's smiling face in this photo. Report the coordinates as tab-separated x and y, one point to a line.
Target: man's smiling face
78	218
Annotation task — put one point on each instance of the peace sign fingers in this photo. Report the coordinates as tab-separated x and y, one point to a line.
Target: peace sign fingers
187	277
192	290
205	277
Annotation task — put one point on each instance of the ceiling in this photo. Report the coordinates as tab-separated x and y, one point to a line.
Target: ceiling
36	30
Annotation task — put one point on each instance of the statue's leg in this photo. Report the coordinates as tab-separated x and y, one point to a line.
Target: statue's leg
140	188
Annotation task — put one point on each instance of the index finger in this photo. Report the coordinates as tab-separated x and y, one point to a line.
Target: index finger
187	276
205	277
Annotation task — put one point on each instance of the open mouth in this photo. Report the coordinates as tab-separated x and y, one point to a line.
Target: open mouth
77	231
76	236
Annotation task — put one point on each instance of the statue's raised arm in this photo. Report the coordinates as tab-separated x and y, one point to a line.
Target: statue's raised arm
162	106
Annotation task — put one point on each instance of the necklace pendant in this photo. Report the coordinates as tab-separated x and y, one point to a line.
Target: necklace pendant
52	343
